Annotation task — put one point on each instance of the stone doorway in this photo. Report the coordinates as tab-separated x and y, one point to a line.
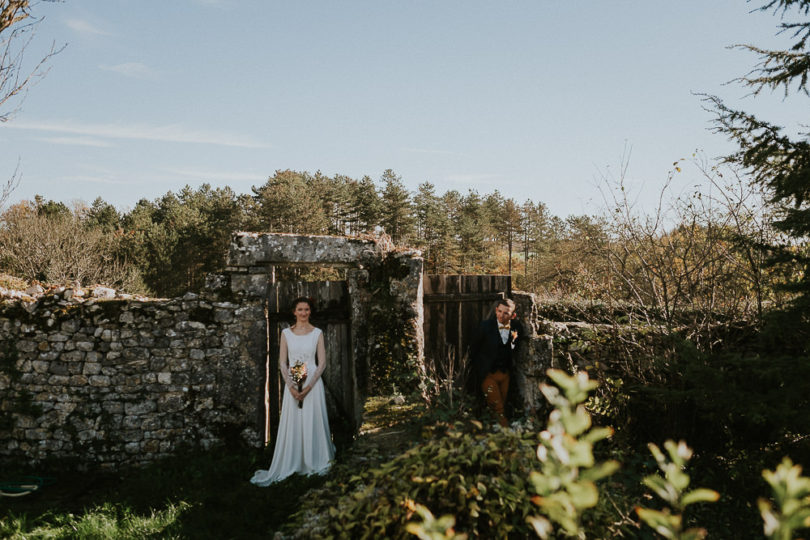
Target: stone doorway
333	316
374	272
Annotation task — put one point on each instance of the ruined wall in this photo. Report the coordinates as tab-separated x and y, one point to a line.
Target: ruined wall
123	380
608	351
105	379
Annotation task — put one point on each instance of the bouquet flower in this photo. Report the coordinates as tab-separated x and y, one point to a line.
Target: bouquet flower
298	372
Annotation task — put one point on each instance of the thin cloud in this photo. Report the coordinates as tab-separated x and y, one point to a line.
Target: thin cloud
472	178
84	27
430	151
78	141
135	70
168	133
200	174
94	179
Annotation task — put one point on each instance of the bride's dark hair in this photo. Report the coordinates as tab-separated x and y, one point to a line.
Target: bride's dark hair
304	300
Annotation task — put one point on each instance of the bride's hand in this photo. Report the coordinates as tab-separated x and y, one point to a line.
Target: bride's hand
295	393
305	391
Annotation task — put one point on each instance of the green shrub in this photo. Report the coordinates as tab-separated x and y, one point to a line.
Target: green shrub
480	477
566	483
671	488
791	492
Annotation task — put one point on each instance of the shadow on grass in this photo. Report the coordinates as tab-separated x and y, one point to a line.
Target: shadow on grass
212	488
197	494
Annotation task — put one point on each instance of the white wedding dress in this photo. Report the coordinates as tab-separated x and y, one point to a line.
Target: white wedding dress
304	442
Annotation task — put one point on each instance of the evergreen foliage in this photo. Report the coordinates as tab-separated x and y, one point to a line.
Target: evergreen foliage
396	210
775	160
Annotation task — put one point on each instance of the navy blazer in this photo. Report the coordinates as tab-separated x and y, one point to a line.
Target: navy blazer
484	347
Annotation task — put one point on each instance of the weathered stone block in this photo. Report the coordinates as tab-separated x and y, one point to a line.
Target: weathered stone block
26	346
58	368
190	325
70	326
141	407
78	380
73	356
223	315
91	368
150	447
113	407
40	366
99	380
132	448
230	340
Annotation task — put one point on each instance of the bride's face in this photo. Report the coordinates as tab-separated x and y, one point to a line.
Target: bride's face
301	312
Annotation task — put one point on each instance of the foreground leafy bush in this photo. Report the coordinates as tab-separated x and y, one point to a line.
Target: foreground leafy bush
791	492
566	482
671	488
480	477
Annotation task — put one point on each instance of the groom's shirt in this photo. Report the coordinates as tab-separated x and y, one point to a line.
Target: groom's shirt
504	330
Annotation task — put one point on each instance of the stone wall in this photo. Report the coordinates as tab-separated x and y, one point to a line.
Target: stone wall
104	379
112	381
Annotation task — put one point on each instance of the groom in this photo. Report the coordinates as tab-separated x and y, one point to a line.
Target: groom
492	355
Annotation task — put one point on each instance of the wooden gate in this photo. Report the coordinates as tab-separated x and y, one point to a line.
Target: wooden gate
454	306
332	316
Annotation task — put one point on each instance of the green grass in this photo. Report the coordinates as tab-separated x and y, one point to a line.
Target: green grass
196	495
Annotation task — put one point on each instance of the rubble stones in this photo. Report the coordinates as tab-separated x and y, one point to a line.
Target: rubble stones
107	382
108	379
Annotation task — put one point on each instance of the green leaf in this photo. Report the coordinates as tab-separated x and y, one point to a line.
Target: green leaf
542	527
583	494
662	488
663	523
599	471
597	434
700	495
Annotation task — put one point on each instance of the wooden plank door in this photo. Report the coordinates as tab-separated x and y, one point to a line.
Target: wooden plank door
332	316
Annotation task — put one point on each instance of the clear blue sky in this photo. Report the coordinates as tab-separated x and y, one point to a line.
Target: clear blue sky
533	98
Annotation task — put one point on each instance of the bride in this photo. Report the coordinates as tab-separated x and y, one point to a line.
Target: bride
303	442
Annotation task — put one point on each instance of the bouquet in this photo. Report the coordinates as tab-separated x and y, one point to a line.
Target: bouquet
298	372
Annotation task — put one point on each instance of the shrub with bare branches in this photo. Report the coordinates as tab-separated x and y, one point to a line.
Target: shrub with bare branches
61	249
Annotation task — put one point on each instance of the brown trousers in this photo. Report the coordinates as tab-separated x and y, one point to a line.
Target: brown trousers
495	387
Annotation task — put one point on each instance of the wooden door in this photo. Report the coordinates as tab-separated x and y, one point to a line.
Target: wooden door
332	316
454	306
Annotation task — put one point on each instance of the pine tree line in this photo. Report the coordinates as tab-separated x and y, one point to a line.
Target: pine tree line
166	246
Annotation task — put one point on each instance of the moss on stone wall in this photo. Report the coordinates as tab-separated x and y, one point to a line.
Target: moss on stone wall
392	353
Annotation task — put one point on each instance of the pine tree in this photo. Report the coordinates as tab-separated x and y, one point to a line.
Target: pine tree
366	205
290	202
434	228
102	215
512	219
397	214
775	160
471	226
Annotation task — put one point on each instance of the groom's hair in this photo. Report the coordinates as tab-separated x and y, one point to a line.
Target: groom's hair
305	300
505	302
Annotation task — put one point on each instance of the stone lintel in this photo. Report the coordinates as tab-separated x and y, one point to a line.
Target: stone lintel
249	249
